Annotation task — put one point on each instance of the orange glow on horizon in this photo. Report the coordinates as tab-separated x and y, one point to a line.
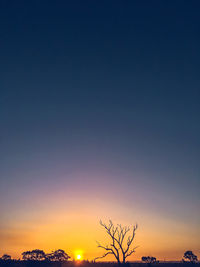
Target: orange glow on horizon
78	255
77	228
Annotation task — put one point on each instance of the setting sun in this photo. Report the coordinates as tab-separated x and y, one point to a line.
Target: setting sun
78	257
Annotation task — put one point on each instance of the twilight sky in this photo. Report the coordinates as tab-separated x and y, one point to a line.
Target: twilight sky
99	118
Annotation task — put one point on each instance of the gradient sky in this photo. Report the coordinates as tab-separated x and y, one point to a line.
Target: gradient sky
99	119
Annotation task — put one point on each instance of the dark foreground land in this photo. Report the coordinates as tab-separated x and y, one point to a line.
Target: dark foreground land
15	263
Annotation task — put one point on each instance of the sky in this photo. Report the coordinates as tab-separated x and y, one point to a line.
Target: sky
99	119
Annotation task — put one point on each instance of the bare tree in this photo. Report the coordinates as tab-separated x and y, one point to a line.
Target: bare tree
121	241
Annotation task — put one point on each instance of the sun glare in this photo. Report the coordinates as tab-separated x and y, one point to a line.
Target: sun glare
78	255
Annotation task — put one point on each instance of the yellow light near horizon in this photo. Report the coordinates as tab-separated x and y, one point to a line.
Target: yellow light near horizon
78	257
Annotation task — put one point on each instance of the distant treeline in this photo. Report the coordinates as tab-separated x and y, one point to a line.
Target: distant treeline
60	256
39	255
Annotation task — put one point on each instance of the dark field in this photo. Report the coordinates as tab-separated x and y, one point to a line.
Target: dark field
15	263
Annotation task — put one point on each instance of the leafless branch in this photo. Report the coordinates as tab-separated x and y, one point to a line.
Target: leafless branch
118	235
103	256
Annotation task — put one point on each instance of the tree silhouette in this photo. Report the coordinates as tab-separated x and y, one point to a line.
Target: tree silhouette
121	243
26	255
6	257
58	255
34	255
149	260
189	256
